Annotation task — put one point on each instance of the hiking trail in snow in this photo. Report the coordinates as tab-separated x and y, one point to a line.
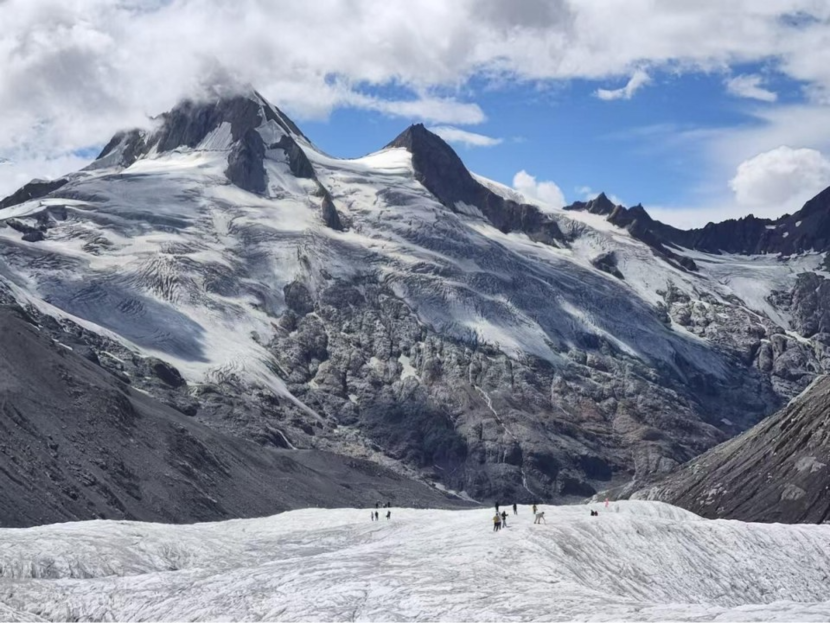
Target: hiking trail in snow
636	561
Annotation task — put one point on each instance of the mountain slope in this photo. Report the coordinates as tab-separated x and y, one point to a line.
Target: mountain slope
398	308
78	443
777	471
637	561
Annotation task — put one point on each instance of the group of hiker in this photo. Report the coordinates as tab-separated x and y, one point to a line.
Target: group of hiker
375	516
499	519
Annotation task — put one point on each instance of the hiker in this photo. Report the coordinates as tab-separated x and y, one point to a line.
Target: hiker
372	516
540	518
504	519
388	514
515	509
377	516
496	522
534	509
377	505
497	508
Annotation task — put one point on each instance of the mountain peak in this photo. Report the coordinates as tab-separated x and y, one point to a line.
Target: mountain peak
215	121
417	137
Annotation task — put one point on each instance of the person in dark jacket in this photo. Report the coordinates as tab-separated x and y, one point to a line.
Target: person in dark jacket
515	509
504	519
389	514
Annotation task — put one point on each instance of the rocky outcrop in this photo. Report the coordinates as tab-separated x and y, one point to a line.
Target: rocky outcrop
245	163
778	471
30	234
600	204
33	190
809	304
122	151
298	162
607	263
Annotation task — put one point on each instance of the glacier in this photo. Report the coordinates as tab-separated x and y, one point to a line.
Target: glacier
483	346
644	561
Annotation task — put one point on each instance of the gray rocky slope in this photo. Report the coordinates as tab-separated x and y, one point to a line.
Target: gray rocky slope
78	443
778	471
401	309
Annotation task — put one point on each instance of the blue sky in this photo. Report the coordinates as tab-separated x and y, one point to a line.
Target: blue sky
647	149
701	111
568	135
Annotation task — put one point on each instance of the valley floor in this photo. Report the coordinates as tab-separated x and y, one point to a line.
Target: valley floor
636	561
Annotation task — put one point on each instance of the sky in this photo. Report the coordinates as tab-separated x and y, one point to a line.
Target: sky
701	111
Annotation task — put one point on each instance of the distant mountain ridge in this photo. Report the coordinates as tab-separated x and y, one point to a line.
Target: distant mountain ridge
806	230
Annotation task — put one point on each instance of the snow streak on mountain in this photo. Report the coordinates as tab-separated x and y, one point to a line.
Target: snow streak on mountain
398	308
642	561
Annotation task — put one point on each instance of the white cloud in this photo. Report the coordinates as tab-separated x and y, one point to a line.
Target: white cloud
71	73
14	174
780	176
638	80
468	139
545	193
749	86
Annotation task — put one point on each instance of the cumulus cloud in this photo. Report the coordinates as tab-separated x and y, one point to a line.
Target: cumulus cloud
71	73
545	193
768	185
780	176
749	86
463	137
638	80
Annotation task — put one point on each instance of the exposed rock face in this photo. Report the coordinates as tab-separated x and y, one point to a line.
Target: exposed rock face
607	262
77	444
330	215
778	471
809	303
122	151
189	123
443	173
30	234
298	162
245	163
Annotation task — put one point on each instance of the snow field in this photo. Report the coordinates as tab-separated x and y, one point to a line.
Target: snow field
636	561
